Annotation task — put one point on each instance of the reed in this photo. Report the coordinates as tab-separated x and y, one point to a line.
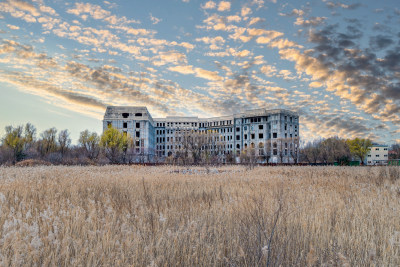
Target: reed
169	216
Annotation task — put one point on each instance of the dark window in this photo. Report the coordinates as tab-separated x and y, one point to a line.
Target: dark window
274	135
125	125
285	127
245	137
109	124
138	114
253	136
138	134
260	136
260	127
137	143
237	129
138	125
237	137
125	115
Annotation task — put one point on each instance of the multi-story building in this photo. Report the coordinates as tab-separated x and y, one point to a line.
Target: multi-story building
378	155
266	135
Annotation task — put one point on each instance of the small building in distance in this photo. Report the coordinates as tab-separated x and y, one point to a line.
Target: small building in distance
268	136
378	155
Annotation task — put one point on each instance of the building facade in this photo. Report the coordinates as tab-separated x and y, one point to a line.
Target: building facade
266	136
378	155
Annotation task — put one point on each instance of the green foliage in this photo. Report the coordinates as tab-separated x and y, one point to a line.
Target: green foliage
115	143
19	139
90	142
359	147
15	141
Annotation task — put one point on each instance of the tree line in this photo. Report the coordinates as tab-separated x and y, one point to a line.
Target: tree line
53	146
336	150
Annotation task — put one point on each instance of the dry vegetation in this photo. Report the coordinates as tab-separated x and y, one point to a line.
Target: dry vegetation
168	216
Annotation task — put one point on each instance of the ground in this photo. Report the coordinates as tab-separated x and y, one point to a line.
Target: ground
196	216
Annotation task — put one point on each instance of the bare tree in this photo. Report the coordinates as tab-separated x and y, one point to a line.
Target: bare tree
294	149
47	144
64	141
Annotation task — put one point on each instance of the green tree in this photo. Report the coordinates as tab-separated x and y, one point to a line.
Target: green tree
114	143
90	143
359	148
14	140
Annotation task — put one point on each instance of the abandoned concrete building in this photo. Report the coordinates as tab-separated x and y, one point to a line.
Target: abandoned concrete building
269	136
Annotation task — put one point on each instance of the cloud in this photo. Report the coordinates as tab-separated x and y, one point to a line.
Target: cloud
184	69
294	12
380	42
214	42
12	27
283	43
94	10
47	9
255	20
209	5
245	11
313	21
98	13
357	74
315	85
206	74
333	5
224	6
24	6
268	70
154	19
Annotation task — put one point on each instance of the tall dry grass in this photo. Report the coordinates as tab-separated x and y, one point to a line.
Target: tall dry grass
169	216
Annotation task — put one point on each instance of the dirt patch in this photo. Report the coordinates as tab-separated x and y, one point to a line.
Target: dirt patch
32	162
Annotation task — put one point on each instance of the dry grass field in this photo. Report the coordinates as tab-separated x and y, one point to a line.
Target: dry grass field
174	216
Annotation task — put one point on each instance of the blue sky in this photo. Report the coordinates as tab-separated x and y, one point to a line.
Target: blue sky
336	63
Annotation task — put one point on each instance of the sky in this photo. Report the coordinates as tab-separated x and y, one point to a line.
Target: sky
336	63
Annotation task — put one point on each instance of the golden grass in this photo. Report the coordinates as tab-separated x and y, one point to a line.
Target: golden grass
171	216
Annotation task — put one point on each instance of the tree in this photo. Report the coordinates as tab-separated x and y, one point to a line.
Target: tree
30	135
15	141
335	149
114	143
311	152
47	143
359	148
64	141
90	143
294	149
394	152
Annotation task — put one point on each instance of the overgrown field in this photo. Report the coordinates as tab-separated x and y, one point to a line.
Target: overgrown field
228	216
